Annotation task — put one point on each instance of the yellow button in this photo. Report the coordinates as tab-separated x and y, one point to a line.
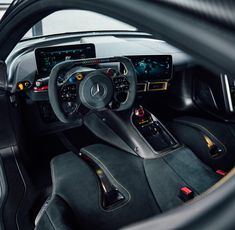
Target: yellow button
26	84
79	77
20	86
99	171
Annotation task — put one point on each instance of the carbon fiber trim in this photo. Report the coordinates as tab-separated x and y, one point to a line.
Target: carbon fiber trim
3	75
217	11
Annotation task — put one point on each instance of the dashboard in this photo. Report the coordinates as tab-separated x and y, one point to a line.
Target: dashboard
153	71
30	63
163	72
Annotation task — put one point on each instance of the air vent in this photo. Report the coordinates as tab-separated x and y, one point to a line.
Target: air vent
157	86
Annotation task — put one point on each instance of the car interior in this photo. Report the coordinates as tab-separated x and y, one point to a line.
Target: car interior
102	130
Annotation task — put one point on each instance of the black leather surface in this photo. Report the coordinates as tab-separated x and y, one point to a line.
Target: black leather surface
153	185
7	136
58	215
74	181
188	129
213	211
3	75
164	183
190	169
168	174
54	95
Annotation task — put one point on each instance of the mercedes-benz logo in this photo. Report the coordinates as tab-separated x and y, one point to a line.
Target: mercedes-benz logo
97	90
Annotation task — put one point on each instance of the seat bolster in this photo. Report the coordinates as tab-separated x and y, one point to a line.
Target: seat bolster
56	215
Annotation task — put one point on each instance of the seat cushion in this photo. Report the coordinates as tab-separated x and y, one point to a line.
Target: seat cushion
77	184
56	214
152	185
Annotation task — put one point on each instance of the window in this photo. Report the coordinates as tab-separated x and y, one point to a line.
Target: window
67	21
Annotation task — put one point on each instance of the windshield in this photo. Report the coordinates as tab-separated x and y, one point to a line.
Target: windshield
70	21
67	21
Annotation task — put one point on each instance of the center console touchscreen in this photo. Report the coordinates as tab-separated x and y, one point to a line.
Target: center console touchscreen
152	67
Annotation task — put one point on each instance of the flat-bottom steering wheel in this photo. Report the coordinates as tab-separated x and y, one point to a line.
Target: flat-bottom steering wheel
75	87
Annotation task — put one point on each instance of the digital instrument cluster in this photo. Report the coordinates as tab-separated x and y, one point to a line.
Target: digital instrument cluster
47	58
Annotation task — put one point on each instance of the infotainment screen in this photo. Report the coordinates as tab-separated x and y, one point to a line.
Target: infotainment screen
152	67
47	58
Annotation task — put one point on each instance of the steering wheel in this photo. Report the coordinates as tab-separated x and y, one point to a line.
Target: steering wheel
75	88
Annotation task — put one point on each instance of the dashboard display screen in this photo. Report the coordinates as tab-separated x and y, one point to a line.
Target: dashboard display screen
152	67
47	58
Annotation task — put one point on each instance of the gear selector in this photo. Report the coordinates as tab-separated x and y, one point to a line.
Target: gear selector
152	130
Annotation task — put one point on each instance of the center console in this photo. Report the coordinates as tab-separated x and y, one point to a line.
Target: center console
152	130
138	132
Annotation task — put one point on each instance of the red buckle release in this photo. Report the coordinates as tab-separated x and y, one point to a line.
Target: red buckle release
186	194
221	172
186	190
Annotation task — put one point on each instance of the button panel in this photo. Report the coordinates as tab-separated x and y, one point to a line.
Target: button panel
68	93
121	84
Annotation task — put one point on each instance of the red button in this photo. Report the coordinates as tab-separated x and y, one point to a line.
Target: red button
140	112
44	88
186	191
221	172
186	194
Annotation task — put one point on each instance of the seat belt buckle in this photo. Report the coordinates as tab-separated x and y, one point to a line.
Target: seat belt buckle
186	194
221	172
